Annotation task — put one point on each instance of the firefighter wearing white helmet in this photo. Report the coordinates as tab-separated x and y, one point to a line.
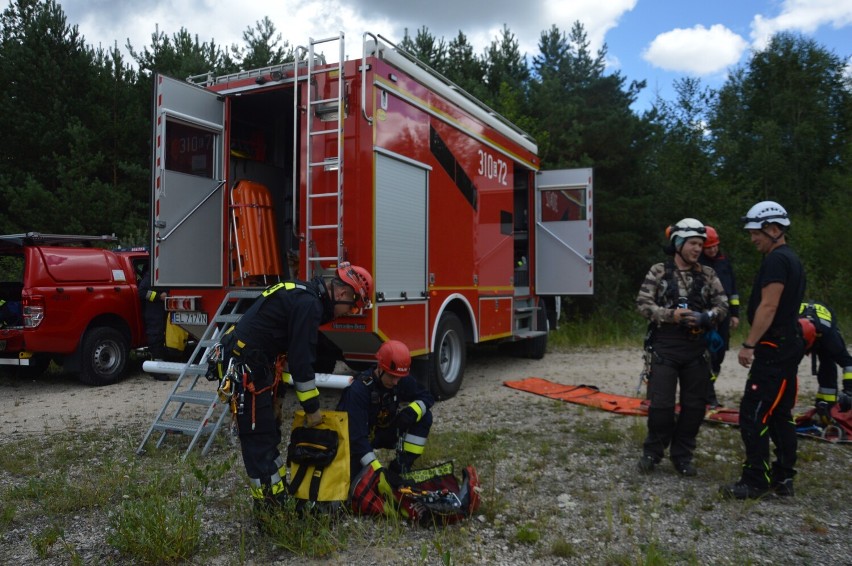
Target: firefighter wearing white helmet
682	301
764	212
772	352
387	408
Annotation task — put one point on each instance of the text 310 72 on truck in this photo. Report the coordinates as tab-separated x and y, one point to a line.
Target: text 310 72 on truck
378	160
67	300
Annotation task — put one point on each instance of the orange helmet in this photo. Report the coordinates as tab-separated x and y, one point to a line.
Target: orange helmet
394	358
808	332
360	280
712	237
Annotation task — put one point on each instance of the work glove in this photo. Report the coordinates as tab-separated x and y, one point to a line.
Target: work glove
696	319
405	418
687	319
390	482
844	401
704	320
823	413
313	419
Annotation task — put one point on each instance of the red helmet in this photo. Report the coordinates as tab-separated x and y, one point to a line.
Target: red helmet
808	332
712	237
360	280
394	358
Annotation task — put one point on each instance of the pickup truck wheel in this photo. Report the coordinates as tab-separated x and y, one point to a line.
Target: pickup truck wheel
103	355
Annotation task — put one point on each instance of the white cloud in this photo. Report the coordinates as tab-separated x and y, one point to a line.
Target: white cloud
696	51
804	16
221	22
107	21
597	17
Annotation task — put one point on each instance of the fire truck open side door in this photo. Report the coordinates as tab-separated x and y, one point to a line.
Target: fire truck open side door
188	185
563	232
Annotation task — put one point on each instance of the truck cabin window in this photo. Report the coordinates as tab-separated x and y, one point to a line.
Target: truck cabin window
190	149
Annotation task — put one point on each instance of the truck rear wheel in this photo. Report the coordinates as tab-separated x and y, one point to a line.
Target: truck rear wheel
444	370
103	355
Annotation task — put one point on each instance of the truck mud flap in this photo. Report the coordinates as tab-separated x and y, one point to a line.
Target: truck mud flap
255	257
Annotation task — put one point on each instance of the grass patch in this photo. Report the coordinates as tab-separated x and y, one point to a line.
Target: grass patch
19	460
157	529
599	332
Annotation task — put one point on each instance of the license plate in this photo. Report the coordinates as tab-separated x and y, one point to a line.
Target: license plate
195	318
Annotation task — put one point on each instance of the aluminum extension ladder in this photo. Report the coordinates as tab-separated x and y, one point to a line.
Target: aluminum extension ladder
193	407
324	121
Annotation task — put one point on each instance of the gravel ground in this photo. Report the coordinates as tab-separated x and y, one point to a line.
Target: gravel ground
559	483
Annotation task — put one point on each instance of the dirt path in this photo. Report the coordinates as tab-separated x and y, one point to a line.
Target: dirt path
56	402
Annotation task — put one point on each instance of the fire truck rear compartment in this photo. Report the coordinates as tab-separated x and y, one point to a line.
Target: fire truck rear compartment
260	179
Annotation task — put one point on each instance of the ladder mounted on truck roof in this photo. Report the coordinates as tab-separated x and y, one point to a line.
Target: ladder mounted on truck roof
324	121
193	408
37	238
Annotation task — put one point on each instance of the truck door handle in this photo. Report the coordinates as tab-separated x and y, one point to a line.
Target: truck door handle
90	289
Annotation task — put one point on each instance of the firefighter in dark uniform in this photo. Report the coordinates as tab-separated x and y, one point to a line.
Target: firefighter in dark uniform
828	350
387	408
154	315
772	350
682	301
285	320
713	257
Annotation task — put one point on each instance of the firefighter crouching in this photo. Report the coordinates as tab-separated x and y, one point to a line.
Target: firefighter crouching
284	320
387	408
825	344
683	301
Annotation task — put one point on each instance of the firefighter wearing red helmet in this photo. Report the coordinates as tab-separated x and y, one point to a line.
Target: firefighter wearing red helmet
828	350
387	408
712	256
284	320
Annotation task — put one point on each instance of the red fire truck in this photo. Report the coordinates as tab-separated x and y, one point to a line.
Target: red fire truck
284	171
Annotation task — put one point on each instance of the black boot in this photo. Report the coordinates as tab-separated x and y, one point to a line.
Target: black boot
403	463
683	441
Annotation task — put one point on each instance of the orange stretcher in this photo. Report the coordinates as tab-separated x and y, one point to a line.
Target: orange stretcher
838	430
255	255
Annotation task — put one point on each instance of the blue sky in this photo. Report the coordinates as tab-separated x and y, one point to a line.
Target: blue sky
653	40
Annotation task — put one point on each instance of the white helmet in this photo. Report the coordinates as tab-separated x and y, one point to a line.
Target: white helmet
765	212
686	228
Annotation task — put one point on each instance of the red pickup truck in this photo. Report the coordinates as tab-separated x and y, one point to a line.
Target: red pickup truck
62	298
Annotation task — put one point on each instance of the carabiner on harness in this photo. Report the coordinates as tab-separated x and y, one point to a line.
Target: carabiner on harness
227	382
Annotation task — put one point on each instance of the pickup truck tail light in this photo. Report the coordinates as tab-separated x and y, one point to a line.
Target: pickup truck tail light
32	309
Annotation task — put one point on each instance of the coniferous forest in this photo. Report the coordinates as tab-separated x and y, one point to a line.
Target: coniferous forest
76	128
